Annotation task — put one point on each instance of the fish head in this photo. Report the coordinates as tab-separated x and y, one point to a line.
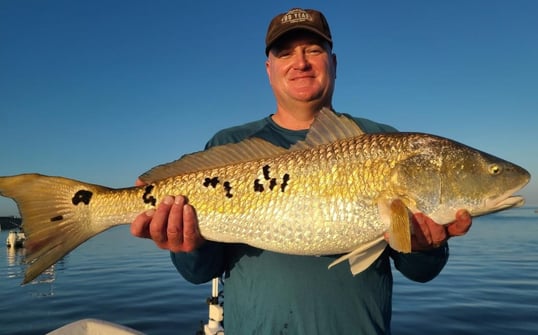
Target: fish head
445	176
480	182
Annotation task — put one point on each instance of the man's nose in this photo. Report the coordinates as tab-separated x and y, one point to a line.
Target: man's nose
300	61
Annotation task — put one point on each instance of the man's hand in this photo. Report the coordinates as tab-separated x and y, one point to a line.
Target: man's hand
173	225
428	234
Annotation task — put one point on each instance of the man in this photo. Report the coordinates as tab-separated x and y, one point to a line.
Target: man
271	293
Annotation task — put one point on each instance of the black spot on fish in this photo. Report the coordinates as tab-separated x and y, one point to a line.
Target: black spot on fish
265	170
211	181
82	196
272	184
228	189
257	186
57	218
285	180
147	197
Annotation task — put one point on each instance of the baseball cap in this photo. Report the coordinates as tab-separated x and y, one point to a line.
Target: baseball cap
297	18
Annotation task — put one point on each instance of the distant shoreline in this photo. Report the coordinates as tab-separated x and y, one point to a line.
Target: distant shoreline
10	222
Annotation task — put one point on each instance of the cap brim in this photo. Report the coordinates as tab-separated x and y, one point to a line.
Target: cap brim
270	43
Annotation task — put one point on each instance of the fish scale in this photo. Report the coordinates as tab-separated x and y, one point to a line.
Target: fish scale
336	192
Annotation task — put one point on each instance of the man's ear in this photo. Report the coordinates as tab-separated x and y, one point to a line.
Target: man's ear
267	65
334	62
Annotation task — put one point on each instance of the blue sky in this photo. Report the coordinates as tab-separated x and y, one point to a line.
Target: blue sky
101	91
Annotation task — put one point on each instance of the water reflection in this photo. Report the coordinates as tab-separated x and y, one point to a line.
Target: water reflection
16	266
43	285
15	262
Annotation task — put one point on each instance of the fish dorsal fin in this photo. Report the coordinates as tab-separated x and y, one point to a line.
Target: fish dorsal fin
328	127
246	150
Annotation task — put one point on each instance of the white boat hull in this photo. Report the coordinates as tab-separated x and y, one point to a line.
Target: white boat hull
94	327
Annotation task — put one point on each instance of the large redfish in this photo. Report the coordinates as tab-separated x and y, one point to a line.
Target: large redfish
336	192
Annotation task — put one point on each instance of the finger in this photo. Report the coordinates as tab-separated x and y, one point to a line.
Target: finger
140	225
461	225
174	230
191	235
438	233
157	228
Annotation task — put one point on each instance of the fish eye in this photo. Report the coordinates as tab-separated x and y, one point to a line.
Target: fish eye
494	169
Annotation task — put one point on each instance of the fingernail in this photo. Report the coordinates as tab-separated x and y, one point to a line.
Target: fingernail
150	212
168	200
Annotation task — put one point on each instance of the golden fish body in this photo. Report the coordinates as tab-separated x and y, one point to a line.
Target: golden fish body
308	202
336	192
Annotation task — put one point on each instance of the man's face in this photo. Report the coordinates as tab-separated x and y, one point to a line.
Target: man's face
301	68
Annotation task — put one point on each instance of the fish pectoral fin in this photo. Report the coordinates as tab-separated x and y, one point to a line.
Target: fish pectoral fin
399	226
362	257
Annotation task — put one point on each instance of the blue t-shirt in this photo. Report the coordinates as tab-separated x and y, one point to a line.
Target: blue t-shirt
272	293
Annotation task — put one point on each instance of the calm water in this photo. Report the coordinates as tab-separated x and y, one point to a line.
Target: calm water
489	286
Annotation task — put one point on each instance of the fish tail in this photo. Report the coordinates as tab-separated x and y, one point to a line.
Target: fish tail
56	216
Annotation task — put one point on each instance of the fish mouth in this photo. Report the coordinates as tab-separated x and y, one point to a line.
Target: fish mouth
496	205
505	200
